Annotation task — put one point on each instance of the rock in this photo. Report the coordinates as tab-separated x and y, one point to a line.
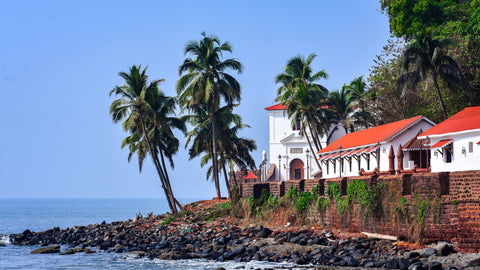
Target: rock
428	252
416	266
445	249
137	253
435	266
45	250
380	263
2	245
450	268
392	264
350	261
474	262
411	255
403	264
220	268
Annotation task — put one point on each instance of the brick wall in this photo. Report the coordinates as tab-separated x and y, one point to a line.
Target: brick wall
456	195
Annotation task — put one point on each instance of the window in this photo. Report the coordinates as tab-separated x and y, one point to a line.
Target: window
334	166
470	147
448	153
359	161
341	165
328	167
368	162
350	164
297	123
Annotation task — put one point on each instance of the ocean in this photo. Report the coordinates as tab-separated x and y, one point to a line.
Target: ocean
18	215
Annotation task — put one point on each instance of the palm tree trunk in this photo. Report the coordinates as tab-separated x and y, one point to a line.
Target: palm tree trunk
214	152
444	110
157	166
311	149
168	181
226	179
318	145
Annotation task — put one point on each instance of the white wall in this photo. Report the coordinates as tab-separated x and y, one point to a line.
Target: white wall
460	161
283	138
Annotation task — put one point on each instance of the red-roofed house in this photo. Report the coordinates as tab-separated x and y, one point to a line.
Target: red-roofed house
288	150
370	148
455	142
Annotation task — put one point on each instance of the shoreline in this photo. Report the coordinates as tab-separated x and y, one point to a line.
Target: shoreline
156	237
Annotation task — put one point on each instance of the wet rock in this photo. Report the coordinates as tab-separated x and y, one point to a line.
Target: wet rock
46	250
2	245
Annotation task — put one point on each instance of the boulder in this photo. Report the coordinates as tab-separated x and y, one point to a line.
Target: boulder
45	250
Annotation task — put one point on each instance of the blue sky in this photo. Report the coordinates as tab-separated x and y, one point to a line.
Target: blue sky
59	60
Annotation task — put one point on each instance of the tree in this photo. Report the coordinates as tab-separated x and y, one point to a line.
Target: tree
390	104
342	105
206	83
417	18
304	99
148	115
424	59
361	95
230	147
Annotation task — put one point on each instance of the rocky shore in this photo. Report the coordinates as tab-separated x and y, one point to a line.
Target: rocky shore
155	237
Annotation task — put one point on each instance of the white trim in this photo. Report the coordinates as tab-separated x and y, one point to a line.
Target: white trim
450	134
408	127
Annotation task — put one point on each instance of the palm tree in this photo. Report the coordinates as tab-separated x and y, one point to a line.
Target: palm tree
342	106
148	115
361	95
303	98
424	59
206	83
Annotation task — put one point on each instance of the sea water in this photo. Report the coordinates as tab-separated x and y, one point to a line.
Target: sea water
18	215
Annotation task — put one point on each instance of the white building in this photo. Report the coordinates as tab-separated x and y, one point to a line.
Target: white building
289	151
375	148
455	142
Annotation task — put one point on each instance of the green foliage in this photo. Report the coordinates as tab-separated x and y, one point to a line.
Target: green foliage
333	191
167	221
416	18
292	193
304	201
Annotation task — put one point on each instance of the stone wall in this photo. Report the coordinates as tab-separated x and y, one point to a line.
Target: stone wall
453	200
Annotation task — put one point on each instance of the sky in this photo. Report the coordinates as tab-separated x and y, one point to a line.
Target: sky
60	59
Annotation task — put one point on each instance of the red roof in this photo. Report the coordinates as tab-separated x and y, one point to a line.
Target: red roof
441	143
467	119
372	135
278	106
250	175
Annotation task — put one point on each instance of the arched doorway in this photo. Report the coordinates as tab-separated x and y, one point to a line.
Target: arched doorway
296	169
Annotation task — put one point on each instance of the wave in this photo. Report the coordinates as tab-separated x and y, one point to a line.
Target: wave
4	239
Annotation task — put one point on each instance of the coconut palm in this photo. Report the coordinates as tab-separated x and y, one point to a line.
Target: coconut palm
205	83
148	115
424	59
342	105
360	95
230	147
303	98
